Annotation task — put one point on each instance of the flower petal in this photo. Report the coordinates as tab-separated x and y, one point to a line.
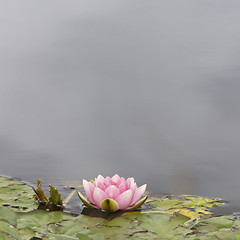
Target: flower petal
139	203
112	192
121	180
133	189
115	178
128	183
84	200
108	182
132	181
122	187
124	199
89	188
98	196
100	185
138	193
99	178
109	205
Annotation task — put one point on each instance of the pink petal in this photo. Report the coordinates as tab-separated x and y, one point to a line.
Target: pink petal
100	185
89	188
122	187
138	193
139	203
133	189
115	178
99	178
124	199
127	183
112	192
98	196
108	182
121	180
132	182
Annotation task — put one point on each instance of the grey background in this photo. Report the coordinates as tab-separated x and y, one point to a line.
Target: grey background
148	89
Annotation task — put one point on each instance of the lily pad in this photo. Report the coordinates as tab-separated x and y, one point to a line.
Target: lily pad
8	216
16	195
222	227
162	217
189	206
8	232
131	226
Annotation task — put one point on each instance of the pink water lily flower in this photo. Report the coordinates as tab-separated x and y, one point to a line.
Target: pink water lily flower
112	194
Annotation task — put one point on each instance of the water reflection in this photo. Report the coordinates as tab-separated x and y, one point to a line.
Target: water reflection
143	89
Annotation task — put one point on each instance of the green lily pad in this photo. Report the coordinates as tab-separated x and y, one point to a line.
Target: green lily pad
128	226
8	223
8	215
8	232
16	195
222	227
162	217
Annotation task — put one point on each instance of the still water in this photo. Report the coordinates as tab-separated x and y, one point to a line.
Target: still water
138	88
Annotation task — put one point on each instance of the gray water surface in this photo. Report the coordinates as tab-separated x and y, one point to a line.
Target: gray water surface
148	89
